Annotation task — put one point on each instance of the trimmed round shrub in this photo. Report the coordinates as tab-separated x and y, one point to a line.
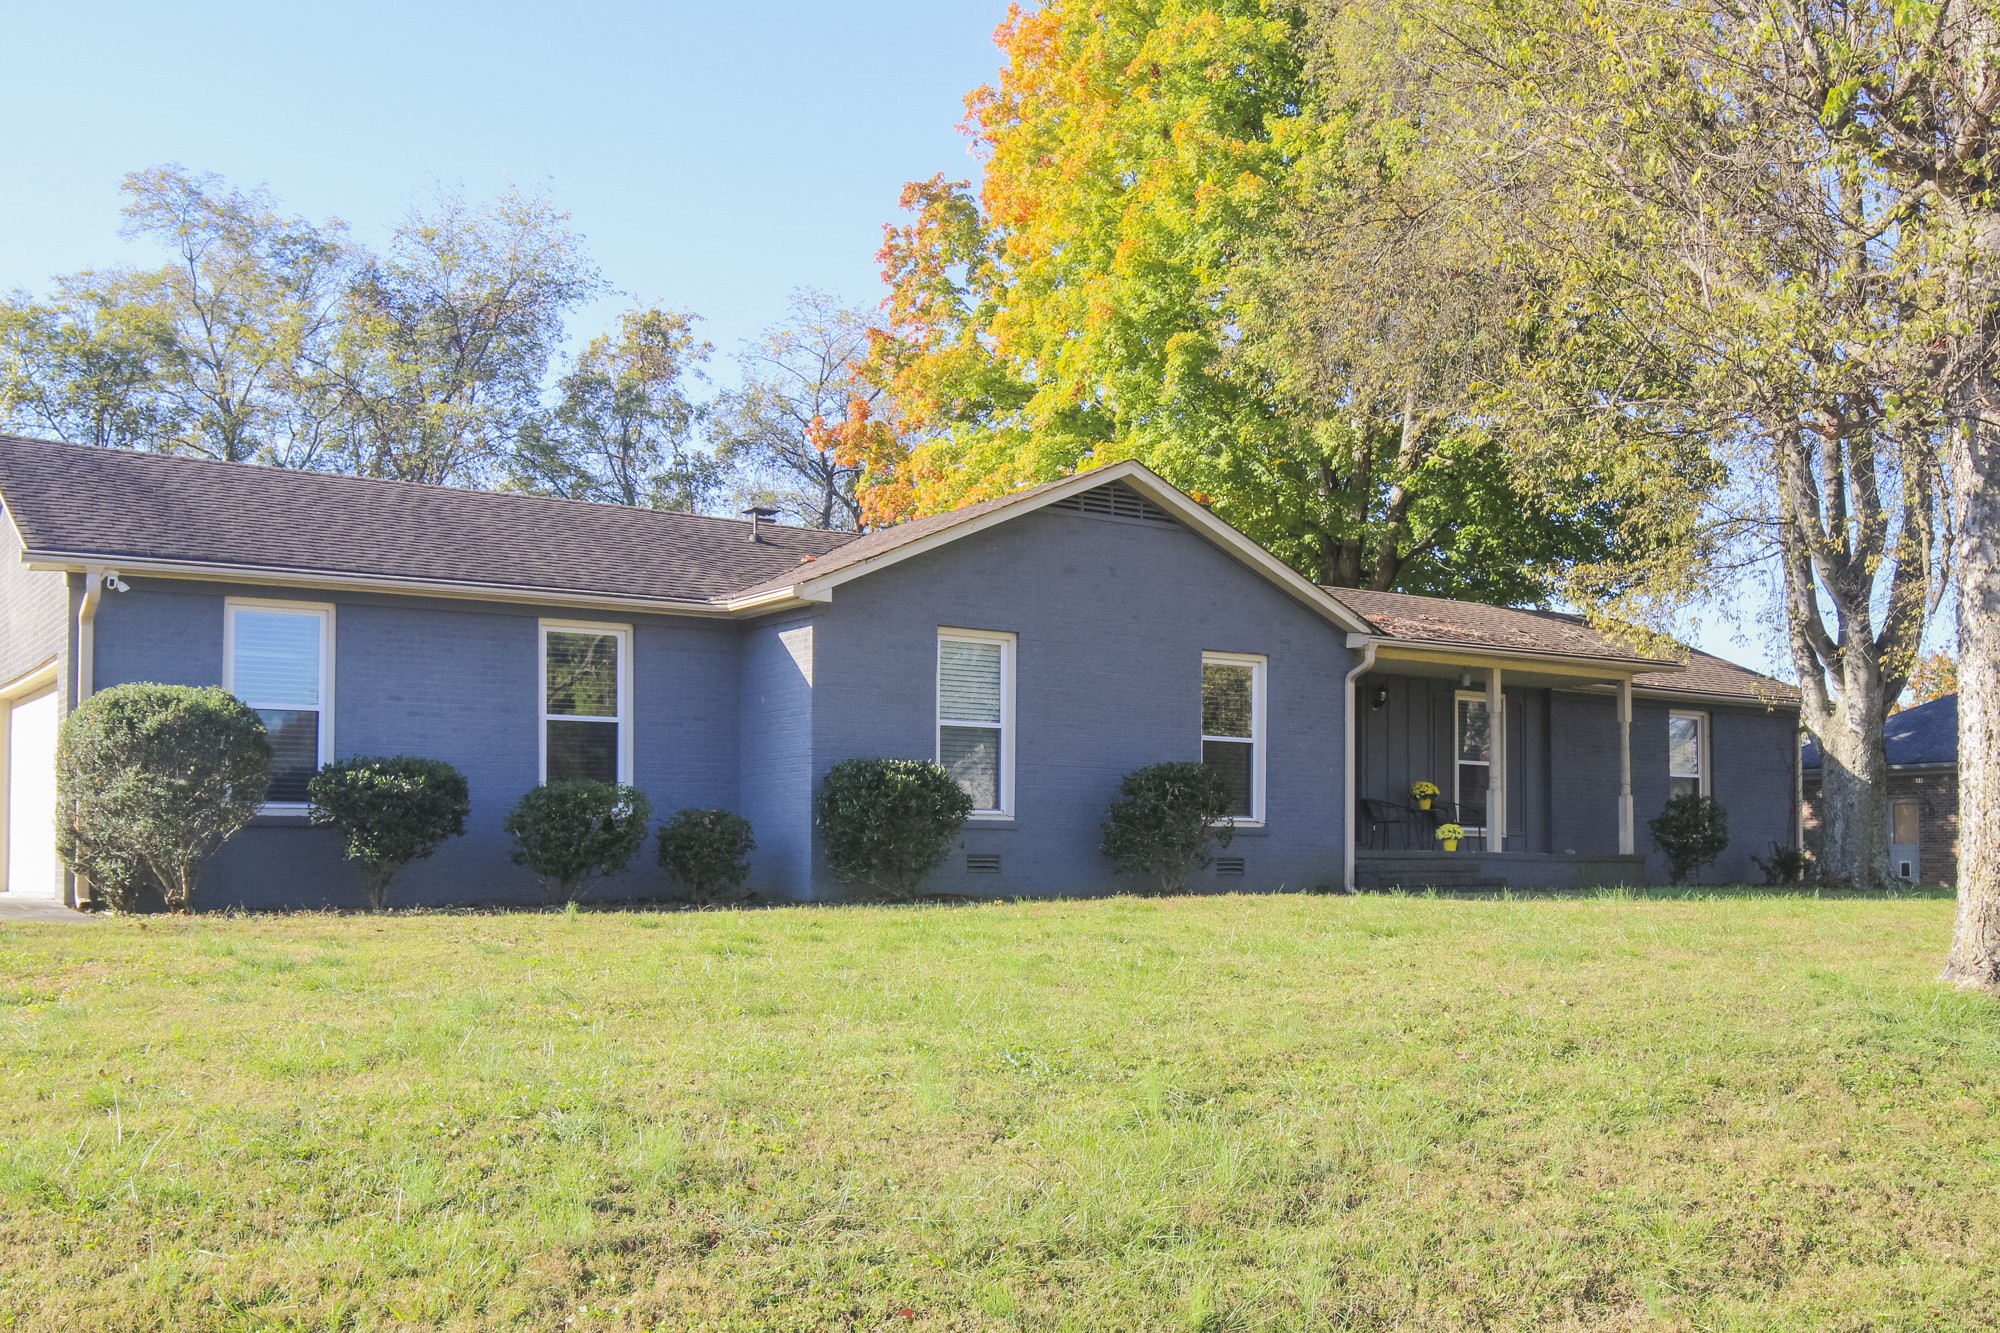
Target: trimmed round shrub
150	780
708	852
391	810
1691	832
1165	819
888	822
567	832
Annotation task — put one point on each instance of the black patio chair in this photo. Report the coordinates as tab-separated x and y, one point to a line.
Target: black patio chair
1386	826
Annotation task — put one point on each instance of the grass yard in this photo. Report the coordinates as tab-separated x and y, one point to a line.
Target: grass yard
1216	1113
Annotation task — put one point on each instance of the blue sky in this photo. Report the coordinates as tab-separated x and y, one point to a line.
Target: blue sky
714	156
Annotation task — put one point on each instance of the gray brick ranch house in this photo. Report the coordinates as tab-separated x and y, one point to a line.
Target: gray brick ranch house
1041	645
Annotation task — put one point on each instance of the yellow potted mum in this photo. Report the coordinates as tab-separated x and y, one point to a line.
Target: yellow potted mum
1425	792
1449	834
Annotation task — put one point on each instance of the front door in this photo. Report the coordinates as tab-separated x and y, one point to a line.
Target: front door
1903	861
32	869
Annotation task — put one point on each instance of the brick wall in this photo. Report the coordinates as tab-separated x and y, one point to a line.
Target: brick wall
1936	795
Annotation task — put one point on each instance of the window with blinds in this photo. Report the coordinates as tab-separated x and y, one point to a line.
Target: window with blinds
586	702
975	704
1232	728
278	659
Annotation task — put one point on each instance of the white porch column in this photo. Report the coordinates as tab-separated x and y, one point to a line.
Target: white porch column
1496	773
1625	834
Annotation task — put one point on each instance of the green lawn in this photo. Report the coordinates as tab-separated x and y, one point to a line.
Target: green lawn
1237	1112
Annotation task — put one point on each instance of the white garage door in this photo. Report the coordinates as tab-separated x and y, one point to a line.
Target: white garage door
32	869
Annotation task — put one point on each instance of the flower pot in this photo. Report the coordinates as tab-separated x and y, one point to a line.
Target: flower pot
1423	803
1450	844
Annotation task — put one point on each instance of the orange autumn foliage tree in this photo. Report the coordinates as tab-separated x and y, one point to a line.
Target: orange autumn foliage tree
1059	317
1105	292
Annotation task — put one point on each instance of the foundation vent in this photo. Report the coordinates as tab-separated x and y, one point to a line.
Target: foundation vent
1229	865
982	863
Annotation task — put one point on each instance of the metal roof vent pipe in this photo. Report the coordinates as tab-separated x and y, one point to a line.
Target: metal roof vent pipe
758	515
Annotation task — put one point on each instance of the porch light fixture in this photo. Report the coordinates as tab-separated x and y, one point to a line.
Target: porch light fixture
1381	699
1465	680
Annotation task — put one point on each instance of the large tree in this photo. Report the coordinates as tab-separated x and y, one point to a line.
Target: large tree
213	353
1167	195
445	338
1727	274
782	430
1820	174
622	429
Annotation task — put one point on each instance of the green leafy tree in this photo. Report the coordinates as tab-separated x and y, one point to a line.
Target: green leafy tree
151	780
391	811
214	353
780	430
708	852
1182	249
623	428
887	823
569	832
1165	820
445	338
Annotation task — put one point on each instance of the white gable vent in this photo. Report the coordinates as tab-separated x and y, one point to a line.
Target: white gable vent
1229	865
982	863
1115	500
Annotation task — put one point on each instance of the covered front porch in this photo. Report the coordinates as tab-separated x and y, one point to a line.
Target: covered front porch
1542	800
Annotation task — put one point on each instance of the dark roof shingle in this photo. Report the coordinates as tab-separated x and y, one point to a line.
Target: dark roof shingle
79	500
1922	735
1444	622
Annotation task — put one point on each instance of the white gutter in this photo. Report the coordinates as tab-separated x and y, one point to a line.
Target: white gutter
1361	668
86	630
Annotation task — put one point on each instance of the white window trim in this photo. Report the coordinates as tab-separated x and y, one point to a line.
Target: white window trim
623	634
1007	642
1457	796
324	610
1259	671
1702	784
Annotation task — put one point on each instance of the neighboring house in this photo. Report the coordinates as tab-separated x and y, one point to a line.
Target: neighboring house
1041	645
1922	748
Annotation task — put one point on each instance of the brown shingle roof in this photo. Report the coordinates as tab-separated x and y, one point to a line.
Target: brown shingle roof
78	500
1443	623
1705	673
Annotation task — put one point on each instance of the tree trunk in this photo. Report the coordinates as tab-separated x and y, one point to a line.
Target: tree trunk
1854	792
1974	960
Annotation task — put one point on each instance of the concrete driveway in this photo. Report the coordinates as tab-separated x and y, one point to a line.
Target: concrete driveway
38	909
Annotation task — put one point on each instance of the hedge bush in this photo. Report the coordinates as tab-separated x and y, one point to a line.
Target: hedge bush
567	832
391	810
1691	832
888	822
708	852
1164	820
150	780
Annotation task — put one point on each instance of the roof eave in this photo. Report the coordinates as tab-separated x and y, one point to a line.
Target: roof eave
1620	666
70	561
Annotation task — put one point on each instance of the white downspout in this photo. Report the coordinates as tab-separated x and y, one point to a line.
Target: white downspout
1367	647
76	887
1496	769
1627	836
86	631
